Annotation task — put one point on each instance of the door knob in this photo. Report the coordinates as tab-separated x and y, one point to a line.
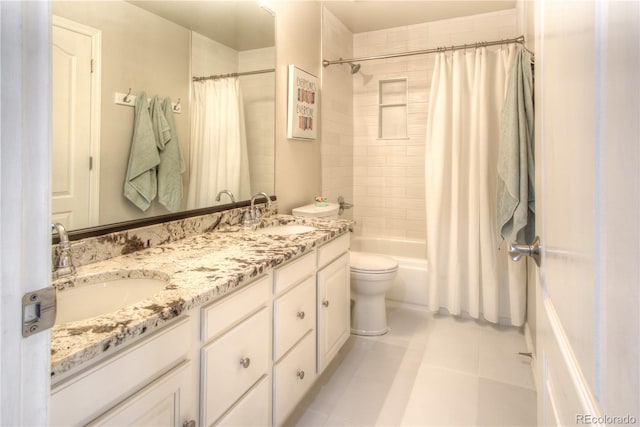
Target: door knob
516	250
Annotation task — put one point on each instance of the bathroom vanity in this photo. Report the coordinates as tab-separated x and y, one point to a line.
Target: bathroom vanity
247	322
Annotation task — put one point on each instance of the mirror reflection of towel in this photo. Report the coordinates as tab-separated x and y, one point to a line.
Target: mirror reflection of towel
141	185
171	164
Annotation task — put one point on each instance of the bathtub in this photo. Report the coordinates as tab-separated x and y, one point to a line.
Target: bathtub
410	285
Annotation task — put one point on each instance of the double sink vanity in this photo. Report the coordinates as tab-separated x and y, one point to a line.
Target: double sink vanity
225	327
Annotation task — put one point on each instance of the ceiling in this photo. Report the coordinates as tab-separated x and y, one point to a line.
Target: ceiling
240	25
244	25
369	15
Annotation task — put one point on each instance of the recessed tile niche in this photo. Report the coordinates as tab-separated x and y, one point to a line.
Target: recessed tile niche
392	108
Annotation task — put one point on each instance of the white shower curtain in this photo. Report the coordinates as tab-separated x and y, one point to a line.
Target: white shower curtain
218	154
469	270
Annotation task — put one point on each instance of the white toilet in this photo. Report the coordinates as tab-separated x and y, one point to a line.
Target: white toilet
371	277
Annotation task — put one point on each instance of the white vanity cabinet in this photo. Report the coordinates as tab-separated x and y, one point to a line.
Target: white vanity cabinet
246	359
294	334
334	299
236	357
151	381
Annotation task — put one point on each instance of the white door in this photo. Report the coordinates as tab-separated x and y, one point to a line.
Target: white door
73	163
588	215
25	227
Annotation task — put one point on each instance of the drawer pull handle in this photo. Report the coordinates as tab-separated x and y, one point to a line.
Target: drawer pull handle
325	303
300	374
245	362
300	315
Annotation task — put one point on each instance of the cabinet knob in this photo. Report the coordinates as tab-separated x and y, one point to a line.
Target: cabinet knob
300	315
300	374
325	303
245	362
190	423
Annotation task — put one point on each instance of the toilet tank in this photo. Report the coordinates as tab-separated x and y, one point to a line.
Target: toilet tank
329	212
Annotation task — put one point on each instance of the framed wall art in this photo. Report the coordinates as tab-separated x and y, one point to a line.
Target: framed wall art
302	104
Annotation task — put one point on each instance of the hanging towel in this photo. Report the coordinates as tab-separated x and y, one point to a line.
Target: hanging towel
171	164
515	191
140	185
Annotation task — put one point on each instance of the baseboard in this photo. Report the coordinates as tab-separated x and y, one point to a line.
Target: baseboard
402	304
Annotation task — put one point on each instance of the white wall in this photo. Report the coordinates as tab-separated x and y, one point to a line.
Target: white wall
297	162
389	174
259	91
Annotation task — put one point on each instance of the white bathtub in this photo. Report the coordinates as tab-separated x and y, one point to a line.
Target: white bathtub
410	285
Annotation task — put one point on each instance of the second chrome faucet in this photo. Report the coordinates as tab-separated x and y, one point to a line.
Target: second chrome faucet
252	216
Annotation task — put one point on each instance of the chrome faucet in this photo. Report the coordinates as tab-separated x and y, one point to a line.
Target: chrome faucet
62	262
228	193
253	216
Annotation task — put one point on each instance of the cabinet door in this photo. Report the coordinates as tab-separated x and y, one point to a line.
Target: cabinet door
164	402
334	315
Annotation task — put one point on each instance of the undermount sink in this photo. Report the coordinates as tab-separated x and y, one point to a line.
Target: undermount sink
286	230
101	297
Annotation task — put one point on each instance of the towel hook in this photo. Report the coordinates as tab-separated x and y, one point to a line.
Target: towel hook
176	107
126	97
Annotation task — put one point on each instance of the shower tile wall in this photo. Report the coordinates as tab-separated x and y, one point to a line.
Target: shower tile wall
337	113
259	91
388	175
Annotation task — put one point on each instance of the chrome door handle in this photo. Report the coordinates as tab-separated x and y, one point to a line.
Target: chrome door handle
516	250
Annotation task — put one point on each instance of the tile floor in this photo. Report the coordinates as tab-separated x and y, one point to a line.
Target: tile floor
428	370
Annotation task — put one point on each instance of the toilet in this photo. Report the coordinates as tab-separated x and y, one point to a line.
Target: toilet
371	277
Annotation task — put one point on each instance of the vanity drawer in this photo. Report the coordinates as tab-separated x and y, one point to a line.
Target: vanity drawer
253	410
294	314
333	250
294	272
224	376
293	377
223	314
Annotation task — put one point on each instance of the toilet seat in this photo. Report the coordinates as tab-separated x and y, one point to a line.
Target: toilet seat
368	263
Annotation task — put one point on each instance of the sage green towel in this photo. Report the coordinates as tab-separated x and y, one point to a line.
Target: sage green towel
171	165
515	191
140	185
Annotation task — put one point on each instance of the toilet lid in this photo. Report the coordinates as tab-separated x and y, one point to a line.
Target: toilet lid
373	263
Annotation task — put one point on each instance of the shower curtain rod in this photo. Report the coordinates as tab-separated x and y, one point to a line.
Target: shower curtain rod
520	40
224	76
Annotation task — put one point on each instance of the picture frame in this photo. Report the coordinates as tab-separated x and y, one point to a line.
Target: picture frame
303	103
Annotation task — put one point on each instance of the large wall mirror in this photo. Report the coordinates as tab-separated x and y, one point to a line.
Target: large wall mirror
224	126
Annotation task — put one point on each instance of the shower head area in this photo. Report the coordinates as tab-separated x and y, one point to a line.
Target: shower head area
354	67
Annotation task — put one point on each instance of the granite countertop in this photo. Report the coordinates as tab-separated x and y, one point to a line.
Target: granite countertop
198	270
